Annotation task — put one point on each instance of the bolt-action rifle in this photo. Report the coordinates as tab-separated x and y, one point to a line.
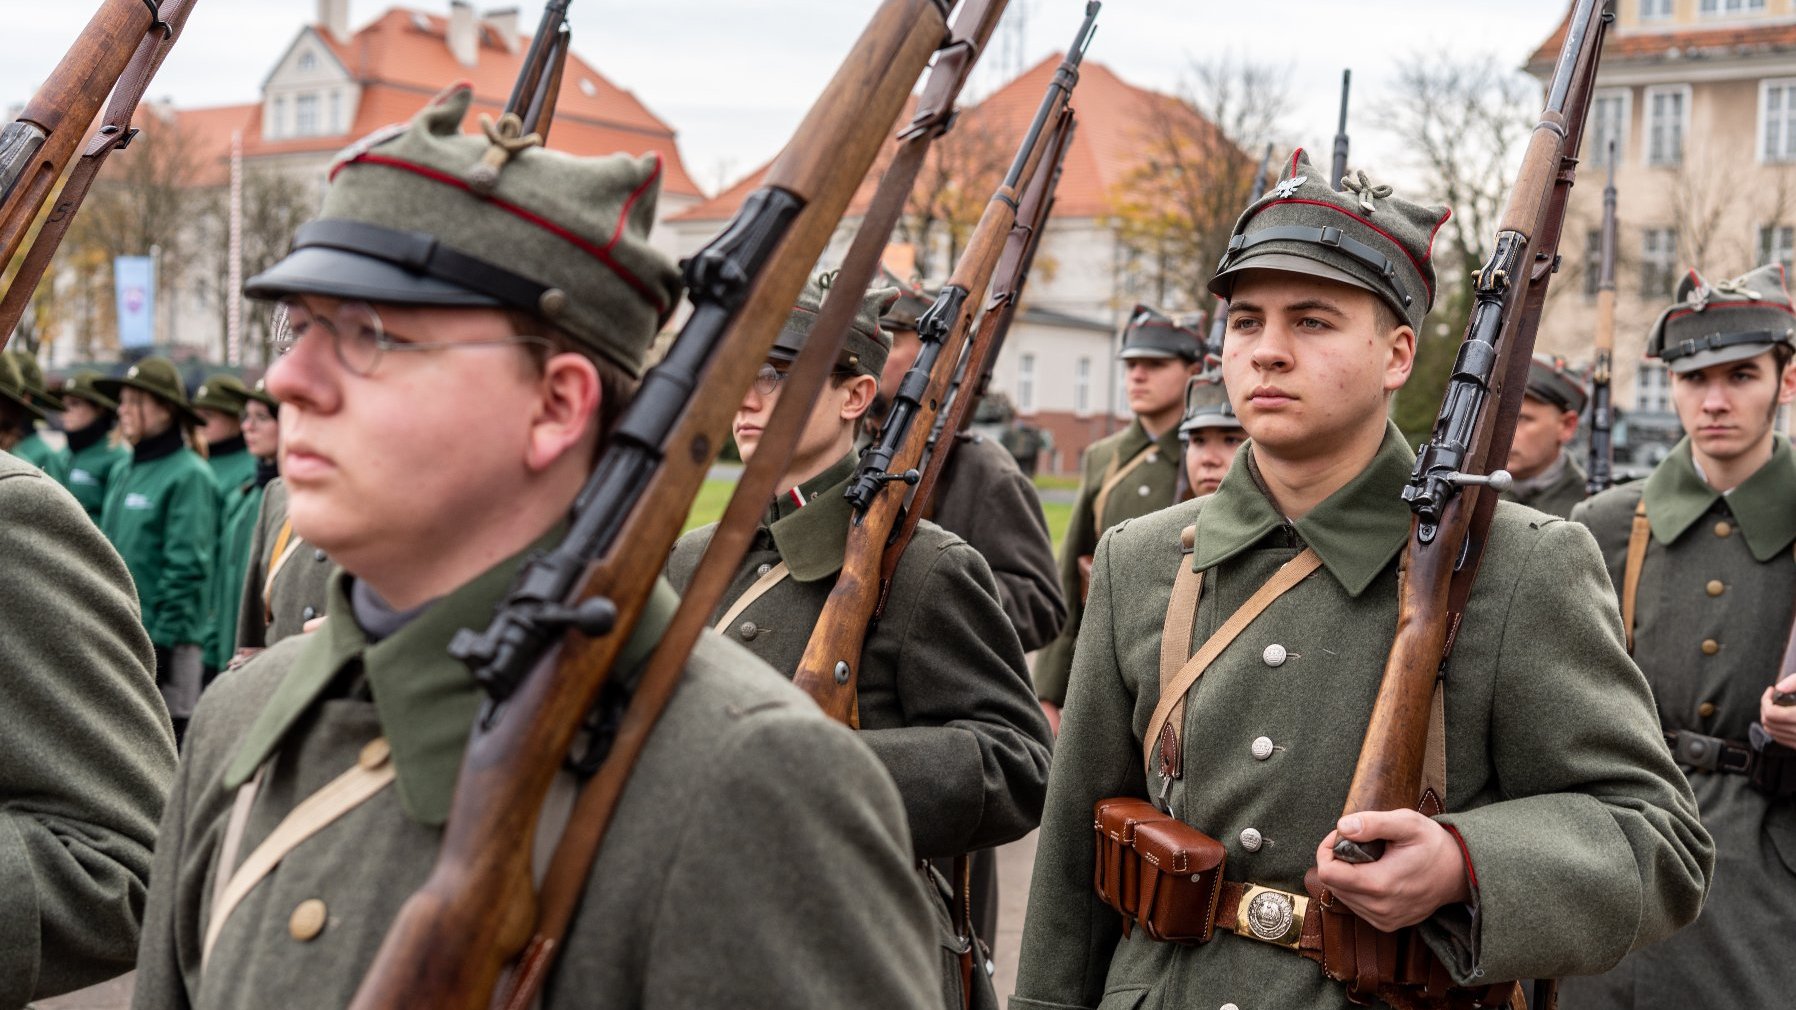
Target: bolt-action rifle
829	669
538	87
118	53
1339	169
548	655
1602	407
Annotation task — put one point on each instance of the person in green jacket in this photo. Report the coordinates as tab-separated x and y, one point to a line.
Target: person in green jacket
34	448
1567	837
1131	473
19	413
90	418
1700	555
161	512
758	857
219	401
238	512
1547	477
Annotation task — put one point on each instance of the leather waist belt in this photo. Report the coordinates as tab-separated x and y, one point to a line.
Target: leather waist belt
1709	753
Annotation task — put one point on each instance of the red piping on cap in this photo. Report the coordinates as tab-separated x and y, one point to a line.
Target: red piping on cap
1713	306
623	216
1388	236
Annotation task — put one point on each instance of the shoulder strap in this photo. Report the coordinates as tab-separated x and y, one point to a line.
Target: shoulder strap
1173	694
1113	475
1638	537
284	546
1175	638
772	578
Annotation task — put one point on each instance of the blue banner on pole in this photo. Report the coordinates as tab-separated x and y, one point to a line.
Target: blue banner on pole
134	280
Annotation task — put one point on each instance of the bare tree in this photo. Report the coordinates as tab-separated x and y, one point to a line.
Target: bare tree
275	204
958	178
1464	123
1173	212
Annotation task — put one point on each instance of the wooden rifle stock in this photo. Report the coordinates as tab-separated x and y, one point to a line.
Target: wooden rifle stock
1472	432
829	669
124	36
1602	406
551	647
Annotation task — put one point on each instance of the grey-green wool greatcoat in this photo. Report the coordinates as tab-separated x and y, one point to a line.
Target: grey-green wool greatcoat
945	700
984	498
1718	569
758	857
1149	487
1555	492
299	590
1583	835
86	750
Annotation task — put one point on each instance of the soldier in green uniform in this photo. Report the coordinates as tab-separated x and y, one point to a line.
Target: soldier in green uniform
219	402
239	509
945	700
86	754
1570	837
33	448
90	419
750	823
161	512
286	581
1546	476
1700	554
1131	473
984	498
1211	432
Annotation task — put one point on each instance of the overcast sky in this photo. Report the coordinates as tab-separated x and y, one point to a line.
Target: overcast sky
733	77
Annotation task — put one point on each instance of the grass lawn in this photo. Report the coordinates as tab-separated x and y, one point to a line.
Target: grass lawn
715	494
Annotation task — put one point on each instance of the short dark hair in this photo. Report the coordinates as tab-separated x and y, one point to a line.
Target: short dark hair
616	386
1385	317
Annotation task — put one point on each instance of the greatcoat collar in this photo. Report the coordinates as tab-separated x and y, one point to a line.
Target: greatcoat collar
1676	496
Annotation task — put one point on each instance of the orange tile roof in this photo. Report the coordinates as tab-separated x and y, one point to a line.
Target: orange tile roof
1650	46
1107	146
402	59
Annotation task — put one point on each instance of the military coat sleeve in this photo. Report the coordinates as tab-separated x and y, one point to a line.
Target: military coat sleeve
1055	664
252	625
86	751
988	502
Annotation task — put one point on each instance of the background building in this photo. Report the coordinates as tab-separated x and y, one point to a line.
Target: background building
1700	99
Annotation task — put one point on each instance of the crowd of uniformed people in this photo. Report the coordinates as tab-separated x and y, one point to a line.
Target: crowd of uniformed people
1211	646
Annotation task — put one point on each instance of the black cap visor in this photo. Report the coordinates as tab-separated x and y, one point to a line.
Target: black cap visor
338	273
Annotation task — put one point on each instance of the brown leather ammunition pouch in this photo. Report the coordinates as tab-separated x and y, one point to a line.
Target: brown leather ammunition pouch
1774	771
1156	871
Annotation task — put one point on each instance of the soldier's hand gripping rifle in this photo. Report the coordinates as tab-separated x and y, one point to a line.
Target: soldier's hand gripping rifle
549	652
829	669
1602	406
1449	491
117	54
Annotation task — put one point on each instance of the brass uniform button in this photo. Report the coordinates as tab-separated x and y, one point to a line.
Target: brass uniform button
1723	528
1710	647
375	753
308	920
1706	710
1716	587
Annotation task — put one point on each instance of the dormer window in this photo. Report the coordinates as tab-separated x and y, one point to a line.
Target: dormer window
588	88
308	61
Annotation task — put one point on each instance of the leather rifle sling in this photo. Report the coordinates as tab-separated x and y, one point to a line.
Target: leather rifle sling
1113	475
1638	537
774	576
1172	693
315	813
284	546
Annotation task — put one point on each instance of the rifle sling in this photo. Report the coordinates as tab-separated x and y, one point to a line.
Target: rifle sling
1638	537
284	546
1113	475
115	132
773	577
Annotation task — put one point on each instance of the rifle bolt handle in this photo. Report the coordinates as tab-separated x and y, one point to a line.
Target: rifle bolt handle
1359	852
1497	480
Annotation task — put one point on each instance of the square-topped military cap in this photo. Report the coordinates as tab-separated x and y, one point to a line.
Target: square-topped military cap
1364	236
1712	324
1152	333
864	350
1551	380
1207	405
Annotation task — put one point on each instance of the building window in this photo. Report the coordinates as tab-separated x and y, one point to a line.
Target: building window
1777	244
1593	262
1609	122
1652	388
336	121
1025	383
305	115
308	60
1777	121
1082	386
278	128
1730	6
1667	120
1658	262
1650	9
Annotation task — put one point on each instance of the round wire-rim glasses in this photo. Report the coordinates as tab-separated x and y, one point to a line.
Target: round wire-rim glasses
359	338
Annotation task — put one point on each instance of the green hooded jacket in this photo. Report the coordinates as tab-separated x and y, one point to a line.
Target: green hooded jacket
231	463
39	453
238	511
90	470
161	513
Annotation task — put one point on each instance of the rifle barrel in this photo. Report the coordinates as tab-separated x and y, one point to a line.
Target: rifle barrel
1339	169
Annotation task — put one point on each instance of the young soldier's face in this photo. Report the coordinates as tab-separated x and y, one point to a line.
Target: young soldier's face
1157	385
425	445
829	426
1208	453
1308	367
1728	409
78	414
1541	431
